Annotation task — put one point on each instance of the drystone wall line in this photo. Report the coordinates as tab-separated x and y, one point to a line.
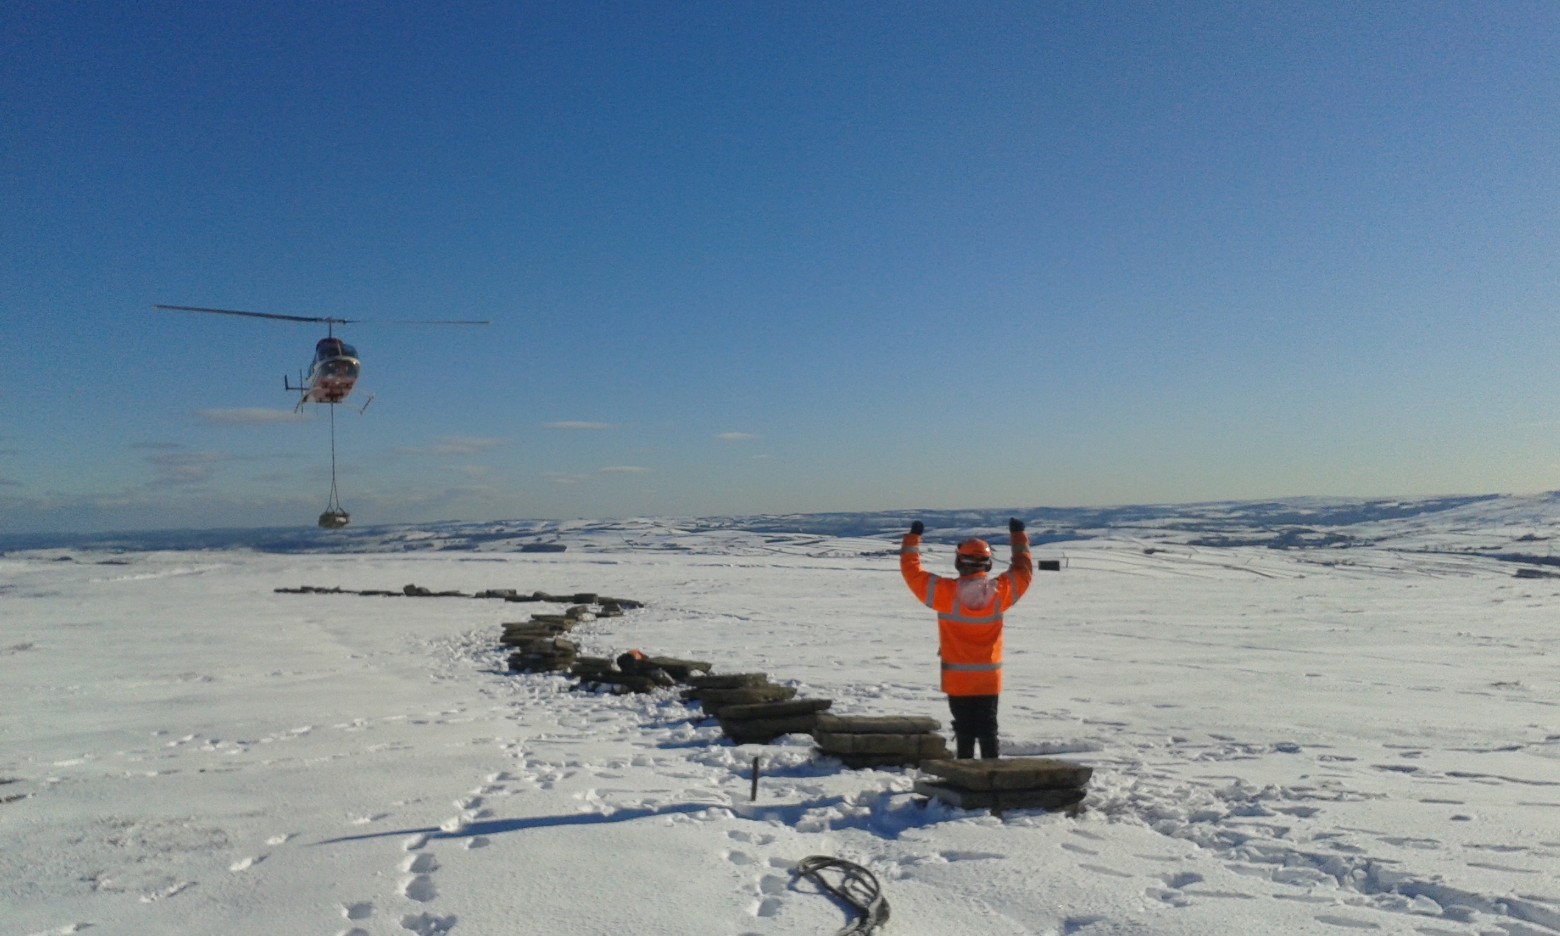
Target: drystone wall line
753	710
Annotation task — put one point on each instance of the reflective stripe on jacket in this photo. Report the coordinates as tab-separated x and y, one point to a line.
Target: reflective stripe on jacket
969	638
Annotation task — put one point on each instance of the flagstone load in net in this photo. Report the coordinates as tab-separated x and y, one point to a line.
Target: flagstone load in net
634	672
763	722
864	741
1007	783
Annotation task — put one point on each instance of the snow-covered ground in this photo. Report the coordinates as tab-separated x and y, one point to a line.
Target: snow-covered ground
1285	741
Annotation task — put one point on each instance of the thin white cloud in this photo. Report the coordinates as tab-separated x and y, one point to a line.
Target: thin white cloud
624	469
737	437
560	478
254	416
180	469
576	425
456	446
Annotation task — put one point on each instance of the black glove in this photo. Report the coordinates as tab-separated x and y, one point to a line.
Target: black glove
917	528
1015	525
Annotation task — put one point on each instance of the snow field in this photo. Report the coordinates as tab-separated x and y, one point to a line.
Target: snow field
1309	741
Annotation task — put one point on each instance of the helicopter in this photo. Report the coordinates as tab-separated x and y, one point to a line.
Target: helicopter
330	378
336	365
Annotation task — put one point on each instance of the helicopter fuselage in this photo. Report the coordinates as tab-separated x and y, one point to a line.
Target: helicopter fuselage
332	374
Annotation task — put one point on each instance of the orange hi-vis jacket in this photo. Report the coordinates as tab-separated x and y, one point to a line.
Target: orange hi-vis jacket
969	638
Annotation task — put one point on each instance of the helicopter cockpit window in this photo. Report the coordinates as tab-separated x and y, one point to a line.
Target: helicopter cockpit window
333	347
339	369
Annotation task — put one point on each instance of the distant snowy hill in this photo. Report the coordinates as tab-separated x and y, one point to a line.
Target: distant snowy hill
1519	527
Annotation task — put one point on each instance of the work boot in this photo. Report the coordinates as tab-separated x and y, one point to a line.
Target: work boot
988	747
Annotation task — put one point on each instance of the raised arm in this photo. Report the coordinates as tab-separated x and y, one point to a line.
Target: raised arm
1021	571
922	583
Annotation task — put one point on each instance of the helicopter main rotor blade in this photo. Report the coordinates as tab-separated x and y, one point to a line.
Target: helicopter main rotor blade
321	318
424	322
265	315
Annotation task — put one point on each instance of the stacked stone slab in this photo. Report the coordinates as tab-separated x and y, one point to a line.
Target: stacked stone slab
763	722
608	607
1008	783
539	627
418	591
716	692
879	741
578	598
681	671
635	672
544	655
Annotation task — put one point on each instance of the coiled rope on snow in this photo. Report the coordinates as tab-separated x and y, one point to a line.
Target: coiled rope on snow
857	887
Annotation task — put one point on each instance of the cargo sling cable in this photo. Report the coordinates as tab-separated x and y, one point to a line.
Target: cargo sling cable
858	887
333	514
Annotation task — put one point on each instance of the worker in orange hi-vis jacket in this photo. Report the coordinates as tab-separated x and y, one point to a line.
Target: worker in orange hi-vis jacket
969	628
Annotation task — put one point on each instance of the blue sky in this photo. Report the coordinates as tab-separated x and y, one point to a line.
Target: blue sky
749	257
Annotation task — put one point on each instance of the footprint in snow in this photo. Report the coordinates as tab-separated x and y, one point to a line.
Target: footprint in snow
1345	922
421	864
420	888
426	924
361	910
1171	894
742	835
1101	869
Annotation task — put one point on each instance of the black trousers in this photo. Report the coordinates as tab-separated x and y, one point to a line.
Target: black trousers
974	719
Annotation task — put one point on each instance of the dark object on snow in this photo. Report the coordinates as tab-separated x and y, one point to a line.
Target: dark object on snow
519	634
544	655
716	693
1049	565
671	668
542	547
766	721
884	741
858	888
1011	783
1536	574
730	681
